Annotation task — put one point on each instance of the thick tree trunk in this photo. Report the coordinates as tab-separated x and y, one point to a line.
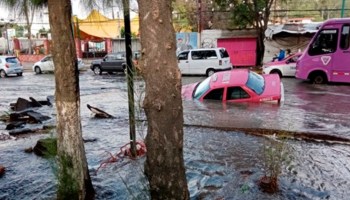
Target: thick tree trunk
164	165
73	174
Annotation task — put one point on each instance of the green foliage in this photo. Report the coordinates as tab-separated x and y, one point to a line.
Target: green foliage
122	32
19	30
68	187
185	15
276	155
39	2
133	35
245	188
43	30
50	145
241	16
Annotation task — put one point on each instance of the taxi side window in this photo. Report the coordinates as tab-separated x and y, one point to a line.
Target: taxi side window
215	94
234	93
294	59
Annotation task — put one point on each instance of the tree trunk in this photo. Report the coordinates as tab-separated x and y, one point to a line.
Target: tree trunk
29	24
164	165
260	46
73	174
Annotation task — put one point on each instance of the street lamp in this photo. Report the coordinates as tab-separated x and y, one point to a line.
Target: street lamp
342	9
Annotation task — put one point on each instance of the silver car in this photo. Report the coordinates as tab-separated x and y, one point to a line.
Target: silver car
46	65
10	65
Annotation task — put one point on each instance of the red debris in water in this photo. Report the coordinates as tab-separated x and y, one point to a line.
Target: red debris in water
125	151
2	170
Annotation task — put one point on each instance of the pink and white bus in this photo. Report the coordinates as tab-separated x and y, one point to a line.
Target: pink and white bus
327	57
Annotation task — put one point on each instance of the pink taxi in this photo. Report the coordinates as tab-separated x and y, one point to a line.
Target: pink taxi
238	85
285	67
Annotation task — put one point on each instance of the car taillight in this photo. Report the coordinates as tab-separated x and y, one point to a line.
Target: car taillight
220	62
7	65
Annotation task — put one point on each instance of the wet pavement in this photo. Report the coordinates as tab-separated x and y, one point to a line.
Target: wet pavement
219	164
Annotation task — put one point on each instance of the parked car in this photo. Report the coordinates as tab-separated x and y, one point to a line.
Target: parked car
204	61
112	62
285	67
46	65
237	85
10	65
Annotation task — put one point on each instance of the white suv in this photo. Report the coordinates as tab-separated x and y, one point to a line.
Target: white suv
204	61
10	65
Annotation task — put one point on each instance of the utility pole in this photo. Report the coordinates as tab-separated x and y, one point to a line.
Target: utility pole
130	77
7	38
199	5
342	9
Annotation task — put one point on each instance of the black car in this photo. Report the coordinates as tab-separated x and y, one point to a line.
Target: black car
112	62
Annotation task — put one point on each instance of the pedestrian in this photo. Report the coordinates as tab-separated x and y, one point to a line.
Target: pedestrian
280	56
288	52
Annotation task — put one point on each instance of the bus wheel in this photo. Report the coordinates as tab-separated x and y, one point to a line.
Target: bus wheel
319	78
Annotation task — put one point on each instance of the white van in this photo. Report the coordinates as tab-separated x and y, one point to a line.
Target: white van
203	61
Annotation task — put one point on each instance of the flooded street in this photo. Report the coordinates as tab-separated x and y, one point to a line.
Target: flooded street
307	108
219	164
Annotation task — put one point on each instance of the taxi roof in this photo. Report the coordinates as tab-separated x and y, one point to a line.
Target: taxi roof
232	77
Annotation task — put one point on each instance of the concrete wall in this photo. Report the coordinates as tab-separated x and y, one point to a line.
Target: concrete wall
209	37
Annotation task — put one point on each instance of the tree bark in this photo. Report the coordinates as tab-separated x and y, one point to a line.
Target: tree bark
164	165
261	28
73	174
29	23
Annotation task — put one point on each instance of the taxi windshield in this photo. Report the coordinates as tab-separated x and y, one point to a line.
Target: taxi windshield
201	88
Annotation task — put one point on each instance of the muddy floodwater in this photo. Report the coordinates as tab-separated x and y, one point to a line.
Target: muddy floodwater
219	164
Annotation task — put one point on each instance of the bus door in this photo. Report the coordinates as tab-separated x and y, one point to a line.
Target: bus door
341	63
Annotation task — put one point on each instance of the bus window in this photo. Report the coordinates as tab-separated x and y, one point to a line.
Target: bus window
325	42
344	38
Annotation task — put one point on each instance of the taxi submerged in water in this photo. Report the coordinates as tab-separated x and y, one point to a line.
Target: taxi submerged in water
237	85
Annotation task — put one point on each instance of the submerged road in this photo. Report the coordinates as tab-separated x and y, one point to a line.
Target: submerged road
219	164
